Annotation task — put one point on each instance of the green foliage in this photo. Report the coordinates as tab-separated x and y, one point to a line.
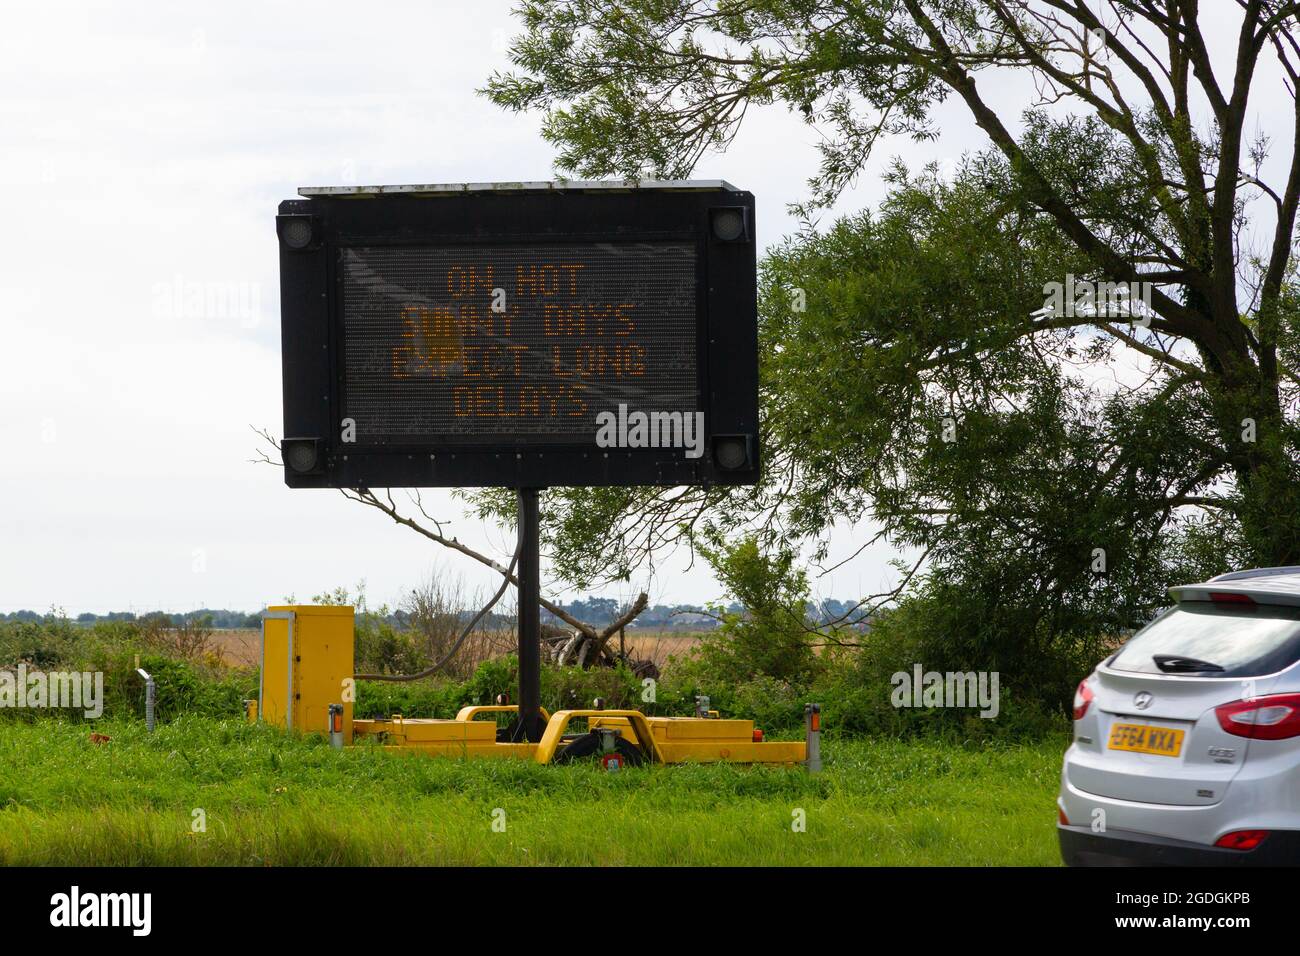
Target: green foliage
640	87
562	687
377	699
1009	473
116	649
572	687
277	799
769	636
45	644
1034	691
379	648
382	649
760	664
1054	486
437	697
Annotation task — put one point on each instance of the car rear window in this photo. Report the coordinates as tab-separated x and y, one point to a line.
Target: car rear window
1246	640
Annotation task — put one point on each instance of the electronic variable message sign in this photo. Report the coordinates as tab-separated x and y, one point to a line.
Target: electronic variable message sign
519	335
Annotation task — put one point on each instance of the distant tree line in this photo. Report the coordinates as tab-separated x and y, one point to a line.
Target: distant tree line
596	610
695	617
210	617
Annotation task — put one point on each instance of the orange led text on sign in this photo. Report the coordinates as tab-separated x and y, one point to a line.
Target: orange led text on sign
470	343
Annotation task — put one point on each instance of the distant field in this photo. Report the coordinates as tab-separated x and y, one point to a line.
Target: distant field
238	647
270	799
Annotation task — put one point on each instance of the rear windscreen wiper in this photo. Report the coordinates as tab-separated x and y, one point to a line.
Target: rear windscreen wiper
1174	662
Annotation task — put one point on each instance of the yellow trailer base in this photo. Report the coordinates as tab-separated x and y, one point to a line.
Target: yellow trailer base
660	739
307	662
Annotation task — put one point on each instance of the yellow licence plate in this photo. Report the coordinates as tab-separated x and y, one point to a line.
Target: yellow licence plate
1147	739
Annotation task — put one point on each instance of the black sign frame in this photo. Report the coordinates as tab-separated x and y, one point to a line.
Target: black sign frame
717	218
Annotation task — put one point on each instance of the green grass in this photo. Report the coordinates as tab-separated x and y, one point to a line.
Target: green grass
271	799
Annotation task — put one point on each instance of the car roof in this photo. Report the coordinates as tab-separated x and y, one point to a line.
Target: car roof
1265	585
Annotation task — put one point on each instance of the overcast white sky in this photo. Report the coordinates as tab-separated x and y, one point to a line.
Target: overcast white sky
143	150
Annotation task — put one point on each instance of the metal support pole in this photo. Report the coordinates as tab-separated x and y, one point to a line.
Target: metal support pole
812	714
530	725
336	725
150	692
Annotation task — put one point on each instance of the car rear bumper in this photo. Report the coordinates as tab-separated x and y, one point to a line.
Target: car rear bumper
1081	847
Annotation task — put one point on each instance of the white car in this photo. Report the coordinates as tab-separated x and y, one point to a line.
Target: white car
1187	740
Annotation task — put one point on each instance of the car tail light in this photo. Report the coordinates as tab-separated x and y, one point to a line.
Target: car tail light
1061	818
758	736
1242	839
1276	717
1082	698
1230	597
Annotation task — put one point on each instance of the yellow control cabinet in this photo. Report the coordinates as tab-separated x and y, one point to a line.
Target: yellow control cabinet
307	665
